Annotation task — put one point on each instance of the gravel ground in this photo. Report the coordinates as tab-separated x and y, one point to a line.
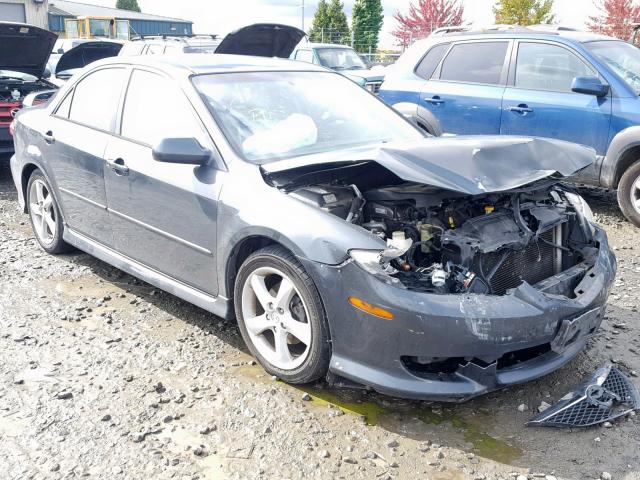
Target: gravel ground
104	376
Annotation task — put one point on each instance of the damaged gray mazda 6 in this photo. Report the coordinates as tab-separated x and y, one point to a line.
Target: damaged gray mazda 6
347	245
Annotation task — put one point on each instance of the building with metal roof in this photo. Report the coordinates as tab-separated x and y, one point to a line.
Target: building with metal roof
140	23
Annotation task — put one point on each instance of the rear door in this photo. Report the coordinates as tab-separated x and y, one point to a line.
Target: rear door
465	91
163	214
539	100
75	139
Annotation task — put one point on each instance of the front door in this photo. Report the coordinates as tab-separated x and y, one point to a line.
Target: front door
75	141
539	100
465	92
163	214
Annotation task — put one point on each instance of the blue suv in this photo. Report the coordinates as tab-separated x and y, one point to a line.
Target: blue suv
574	86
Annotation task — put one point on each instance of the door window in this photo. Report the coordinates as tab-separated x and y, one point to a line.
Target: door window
65	106
430	61
96	99
304	56
480	62
156	109
542	66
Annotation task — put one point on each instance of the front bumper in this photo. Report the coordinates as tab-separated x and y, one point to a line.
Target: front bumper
499	340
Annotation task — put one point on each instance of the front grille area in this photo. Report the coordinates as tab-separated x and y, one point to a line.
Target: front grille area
5	111
532	264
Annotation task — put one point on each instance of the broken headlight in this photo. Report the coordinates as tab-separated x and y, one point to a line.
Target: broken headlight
378	262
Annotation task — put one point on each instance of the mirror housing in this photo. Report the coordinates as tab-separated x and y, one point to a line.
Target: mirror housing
185	151
589	86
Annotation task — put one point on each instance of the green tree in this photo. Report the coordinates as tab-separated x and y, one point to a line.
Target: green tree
131	5
366	22
320	22
330	23
523	12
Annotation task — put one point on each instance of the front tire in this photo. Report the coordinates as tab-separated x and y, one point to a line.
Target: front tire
629	193
281	316
44	215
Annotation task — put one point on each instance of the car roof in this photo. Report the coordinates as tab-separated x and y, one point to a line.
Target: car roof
571	35
201	63
323	45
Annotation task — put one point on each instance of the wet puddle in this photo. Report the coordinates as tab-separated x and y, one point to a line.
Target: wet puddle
391	417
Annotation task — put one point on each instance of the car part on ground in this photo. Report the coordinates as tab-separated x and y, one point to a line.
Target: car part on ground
428	268
607	395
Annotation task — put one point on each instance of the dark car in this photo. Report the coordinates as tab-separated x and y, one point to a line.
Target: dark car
341	239
24	50
576	86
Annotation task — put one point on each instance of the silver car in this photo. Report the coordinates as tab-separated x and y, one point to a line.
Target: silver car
346	244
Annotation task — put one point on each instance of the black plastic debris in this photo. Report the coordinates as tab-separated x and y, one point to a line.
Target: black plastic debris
607	395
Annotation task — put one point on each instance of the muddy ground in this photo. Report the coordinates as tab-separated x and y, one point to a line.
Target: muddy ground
104	376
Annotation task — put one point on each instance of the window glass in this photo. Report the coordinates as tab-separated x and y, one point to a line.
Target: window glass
304	56
542	66
622	57
155	109
480	62
271	115
96	98
65	106
131	48
340	59
430	61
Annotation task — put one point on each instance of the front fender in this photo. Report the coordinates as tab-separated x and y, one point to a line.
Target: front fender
622	143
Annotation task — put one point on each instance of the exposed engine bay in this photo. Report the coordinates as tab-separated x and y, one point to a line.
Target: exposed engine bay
12	94
440	241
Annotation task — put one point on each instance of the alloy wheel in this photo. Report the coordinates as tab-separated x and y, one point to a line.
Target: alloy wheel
43	212
635	194
276	318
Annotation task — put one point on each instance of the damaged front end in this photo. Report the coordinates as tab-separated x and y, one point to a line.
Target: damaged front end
481	287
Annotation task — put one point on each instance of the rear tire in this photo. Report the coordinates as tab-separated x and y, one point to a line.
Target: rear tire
44	215
629	193
281	316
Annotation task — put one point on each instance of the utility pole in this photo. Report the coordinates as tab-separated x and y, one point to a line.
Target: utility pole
302	19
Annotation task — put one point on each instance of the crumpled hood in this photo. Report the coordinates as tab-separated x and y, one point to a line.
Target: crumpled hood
25	48
470	165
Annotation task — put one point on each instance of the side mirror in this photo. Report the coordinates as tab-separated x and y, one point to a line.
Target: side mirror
187	151
589	86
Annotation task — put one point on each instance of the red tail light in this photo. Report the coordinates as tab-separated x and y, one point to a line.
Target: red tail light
12	127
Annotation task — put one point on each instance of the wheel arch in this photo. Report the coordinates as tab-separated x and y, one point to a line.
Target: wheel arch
420	117
623	151
25	175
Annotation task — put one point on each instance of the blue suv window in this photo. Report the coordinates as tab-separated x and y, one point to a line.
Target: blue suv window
542	66
430	61
480	62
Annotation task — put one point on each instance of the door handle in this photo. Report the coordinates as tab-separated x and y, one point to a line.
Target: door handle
49	138
118	166
523	109
435	100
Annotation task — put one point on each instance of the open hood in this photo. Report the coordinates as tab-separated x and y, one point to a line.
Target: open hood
86	53
262	40
25	48
471	165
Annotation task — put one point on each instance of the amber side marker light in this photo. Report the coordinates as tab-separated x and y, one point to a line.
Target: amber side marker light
371	309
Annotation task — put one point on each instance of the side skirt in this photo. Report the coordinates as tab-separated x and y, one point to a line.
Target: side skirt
220	306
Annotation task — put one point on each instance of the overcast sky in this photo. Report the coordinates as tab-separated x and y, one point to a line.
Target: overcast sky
222	16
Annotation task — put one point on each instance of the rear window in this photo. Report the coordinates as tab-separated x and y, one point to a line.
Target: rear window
430	61
480	62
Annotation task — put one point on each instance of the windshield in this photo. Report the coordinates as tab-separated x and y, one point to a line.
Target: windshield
622	57
11	75
340	59
267	116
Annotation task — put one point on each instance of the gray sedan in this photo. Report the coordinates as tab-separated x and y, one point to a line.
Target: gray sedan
346	244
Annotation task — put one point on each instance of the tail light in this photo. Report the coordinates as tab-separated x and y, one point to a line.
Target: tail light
12	127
